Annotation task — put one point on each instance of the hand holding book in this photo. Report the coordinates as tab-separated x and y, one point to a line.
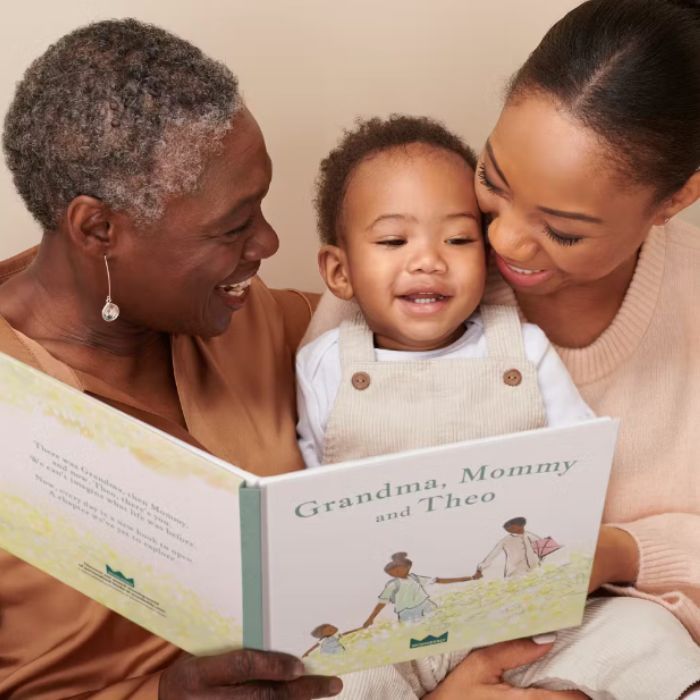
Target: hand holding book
258	674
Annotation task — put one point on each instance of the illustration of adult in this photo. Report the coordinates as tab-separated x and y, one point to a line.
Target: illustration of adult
406	591
517	549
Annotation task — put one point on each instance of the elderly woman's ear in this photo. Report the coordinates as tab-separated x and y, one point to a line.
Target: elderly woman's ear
89	225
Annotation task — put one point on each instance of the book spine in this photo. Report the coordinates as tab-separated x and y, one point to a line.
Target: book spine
251	555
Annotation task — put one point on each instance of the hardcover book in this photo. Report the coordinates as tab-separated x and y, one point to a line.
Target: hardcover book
350	566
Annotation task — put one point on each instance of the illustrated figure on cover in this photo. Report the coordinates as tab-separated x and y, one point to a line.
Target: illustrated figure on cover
407	591
328	640
523	550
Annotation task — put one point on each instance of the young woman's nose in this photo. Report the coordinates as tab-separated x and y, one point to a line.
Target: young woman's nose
262	244
510	238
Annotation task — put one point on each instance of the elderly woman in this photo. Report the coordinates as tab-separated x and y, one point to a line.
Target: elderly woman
595	152
146	172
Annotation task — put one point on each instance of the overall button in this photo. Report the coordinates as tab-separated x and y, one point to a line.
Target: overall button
360	380
511	377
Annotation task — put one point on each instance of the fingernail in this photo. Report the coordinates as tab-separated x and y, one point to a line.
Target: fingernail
335	685
298	670
545	638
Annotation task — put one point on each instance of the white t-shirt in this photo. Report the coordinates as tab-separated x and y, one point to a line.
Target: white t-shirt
319	373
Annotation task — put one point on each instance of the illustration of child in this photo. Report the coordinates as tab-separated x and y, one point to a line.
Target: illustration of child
518	547
406	591
420	363
328	640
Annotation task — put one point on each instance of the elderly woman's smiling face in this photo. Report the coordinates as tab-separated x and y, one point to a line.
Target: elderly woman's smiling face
188	272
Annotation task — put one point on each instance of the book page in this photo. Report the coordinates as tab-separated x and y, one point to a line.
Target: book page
131	517
360	558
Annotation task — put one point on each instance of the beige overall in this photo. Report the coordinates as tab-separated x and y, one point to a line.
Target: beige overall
384	407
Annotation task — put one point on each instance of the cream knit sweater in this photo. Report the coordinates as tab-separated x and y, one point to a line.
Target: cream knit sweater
645	369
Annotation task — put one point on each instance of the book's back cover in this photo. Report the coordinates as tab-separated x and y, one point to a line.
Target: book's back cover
129	516
359	558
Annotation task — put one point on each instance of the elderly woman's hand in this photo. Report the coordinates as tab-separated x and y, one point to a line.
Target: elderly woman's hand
244	675
480	675
616	558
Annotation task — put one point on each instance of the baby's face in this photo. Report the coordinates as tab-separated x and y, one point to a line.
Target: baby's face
413	246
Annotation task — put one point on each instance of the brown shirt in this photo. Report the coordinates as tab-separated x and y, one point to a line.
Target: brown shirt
237	396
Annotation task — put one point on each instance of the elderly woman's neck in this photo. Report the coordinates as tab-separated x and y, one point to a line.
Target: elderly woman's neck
50	303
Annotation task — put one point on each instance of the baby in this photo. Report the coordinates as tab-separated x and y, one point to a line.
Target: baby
421	363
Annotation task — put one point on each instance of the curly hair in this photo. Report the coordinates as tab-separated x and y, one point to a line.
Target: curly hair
372	136
119	110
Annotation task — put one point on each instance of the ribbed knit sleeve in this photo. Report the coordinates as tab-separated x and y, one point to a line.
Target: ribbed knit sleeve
669	564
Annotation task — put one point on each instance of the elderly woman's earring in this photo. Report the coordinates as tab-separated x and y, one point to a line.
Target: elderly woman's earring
110	311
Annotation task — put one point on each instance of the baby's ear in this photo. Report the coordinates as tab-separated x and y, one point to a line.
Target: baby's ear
333	266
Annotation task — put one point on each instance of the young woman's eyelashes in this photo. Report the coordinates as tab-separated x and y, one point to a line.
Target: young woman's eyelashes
483	178
556	236
560	238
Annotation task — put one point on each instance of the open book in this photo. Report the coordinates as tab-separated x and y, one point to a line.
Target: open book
351	566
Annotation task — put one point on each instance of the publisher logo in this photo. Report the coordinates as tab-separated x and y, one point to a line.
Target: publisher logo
120	576
428	641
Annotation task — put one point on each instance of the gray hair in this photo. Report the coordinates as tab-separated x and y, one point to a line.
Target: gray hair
118	110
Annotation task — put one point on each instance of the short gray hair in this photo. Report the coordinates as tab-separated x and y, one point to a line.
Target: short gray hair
119	110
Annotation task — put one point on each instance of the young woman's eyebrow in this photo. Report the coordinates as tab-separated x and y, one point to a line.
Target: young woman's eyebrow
576	216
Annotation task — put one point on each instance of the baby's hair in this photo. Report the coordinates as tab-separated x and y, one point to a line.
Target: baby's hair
514	521
317	632
368	138
398	559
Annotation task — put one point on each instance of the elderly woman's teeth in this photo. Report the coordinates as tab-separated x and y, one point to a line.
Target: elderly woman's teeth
236	290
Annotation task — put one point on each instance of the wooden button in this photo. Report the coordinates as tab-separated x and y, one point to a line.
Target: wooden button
512	377
360	380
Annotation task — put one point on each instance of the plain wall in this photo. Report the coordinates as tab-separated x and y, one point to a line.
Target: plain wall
307	69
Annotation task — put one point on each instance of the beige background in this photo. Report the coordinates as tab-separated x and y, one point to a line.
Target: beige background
307	68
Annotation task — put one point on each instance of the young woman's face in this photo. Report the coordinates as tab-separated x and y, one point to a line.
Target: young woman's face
560	214
413	246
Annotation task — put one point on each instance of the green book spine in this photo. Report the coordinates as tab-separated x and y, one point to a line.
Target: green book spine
251	555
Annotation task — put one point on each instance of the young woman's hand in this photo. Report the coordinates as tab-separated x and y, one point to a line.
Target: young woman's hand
244	675
480	675
616	558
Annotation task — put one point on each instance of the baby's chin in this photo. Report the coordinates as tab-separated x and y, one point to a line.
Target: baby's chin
416	342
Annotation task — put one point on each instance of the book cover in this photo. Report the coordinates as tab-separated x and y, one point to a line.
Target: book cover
447	548
350	566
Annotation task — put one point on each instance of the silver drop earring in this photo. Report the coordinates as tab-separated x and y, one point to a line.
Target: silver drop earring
110	311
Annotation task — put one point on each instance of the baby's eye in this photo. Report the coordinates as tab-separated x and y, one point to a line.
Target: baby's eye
392	242
460	240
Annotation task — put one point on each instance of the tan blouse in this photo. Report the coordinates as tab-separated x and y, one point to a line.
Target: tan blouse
237	396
